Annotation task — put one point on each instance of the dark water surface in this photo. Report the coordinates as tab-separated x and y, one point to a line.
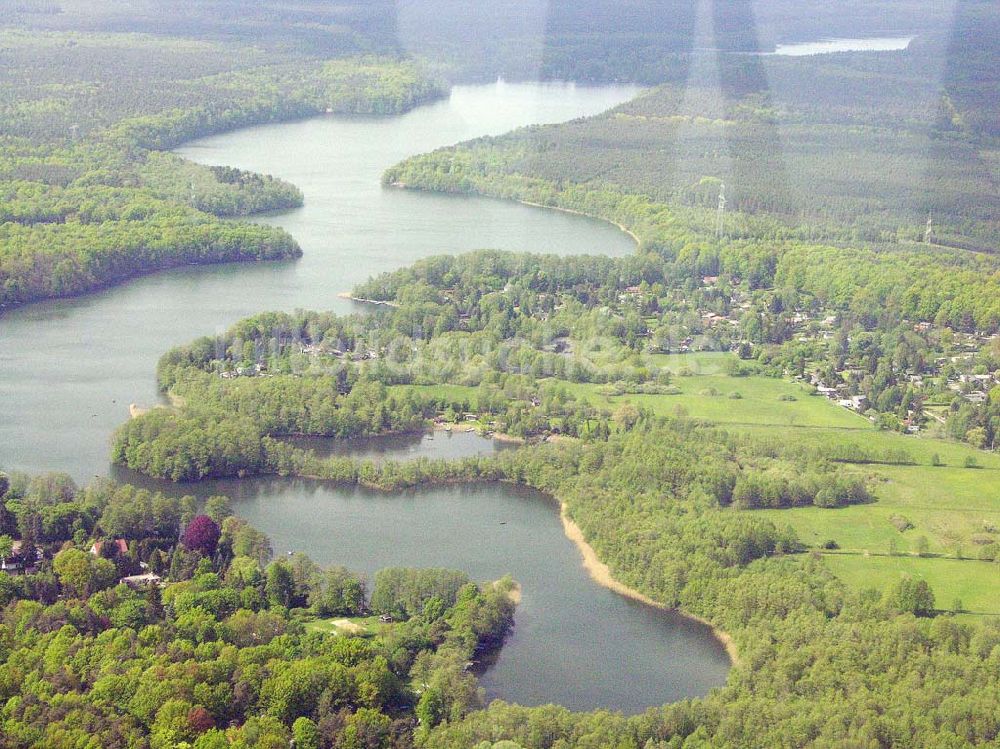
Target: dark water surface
574	643
69	369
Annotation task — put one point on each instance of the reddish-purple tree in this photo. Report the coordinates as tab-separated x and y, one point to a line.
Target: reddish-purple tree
201	534
200	720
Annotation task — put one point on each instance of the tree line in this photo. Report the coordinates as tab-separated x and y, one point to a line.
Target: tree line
222	654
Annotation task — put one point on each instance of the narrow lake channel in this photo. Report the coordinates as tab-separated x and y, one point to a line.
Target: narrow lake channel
69	369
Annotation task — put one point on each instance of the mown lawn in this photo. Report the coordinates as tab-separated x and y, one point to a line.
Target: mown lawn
975	584
342	625
457	393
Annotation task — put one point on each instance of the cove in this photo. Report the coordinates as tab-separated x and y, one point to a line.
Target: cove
574	643
436	445
70	368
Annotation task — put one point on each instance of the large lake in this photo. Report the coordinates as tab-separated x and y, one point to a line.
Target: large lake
70	368
574	643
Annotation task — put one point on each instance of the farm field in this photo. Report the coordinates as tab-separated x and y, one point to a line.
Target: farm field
943	511
975	585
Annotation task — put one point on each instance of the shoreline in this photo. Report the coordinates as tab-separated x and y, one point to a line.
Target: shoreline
575	212
463	426
513	594
361	300
601	574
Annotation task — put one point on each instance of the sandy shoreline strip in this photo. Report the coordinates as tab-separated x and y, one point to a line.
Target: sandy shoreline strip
361	300
600	573
514	594
628	231
464	426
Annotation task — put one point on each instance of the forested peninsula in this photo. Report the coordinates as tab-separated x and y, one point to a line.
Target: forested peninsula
680	476
238	649
88	197
780	415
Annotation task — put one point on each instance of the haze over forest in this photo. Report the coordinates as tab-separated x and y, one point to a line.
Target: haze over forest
529	375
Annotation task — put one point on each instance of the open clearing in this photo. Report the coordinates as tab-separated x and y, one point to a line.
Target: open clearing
339	625
948	511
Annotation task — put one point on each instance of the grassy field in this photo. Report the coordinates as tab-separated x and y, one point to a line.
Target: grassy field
708	392
340	625
705	362
913	502
761	401
975	585
457	393
947	511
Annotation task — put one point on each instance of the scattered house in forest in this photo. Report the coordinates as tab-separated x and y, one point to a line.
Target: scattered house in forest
16	564
121	543
142	582
386	618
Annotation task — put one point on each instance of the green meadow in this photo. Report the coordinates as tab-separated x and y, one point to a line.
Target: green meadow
737	401
341	625
947	512
969	587
930	520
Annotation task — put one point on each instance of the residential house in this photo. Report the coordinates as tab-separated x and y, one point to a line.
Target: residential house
142	582
121	543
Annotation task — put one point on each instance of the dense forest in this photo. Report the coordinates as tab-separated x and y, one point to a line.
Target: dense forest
858	149
591	41
148	621
130	618
87	196
88	106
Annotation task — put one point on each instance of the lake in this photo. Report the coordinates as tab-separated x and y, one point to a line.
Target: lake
827	46
69	369
574	643
436	445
